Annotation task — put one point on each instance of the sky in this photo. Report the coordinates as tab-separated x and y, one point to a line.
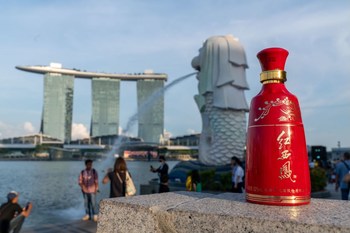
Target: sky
163	35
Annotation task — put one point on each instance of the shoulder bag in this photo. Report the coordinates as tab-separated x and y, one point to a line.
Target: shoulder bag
130	189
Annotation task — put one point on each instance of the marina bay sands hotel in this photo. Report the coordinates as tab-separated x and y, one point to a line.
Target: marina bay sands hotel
58	102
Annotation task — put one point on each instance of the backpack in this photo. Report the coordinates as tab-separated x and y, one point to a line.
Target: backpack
93	172
346	178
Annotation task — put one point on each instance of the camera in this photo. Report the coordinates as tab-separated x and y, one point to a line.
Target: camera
27	206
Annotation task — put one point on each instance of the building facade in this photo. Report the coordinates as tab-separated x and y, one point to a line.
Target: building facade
338	153
58	106
105	106
150	106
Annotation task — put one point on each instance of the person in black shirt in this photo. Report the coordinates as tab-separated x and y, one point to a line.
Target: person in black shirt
162	171
117	178
12	215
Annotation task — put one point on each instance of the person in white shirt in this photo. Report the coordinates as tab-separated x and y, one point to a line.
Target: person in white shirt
237	175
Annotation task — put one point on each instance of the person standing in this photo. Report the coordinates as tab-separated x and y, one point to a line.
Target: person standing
196	181
342	168
12	215
88	181
193	182
162	171
237	175
117	178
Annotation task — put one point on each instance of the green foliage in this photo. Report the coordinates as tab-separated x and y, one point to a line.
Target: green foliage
226	181
215	182
207	179
318	179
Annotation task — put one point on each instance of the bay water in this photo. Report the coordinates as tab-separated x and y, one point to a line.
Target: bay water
52	186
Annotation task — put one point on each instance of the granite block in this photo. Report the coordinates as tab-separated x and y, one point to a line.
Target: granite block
226	212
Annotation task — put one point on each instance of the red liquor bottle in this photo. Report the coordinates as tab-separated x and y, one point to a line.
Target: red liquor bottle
277	168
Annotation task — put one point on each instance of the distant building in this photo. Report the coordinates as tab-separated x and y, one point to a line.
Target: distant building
58	101
35	139
337	153
28	146
186	140
105	106
58	106
107	140
39	146
150	106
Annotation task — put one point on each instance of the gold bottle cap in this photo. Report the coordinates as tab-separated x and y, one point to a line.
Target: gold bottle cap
273	76
272	61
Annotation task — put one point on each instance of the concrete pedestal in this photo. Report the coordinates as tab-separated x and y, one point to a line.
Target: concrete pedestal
226	212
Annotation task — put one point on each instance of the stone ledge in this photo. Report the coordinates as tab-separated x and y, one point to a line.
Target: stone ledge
226	212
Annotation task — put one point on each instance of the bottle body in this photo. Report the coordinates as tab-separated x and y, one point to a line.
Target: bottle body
277	170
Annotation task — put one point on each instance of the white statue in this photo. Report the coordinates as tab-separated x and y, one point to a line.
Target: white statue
221	64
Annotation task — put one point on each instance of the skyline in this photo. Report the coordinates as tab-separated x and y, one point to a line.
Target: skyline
164	36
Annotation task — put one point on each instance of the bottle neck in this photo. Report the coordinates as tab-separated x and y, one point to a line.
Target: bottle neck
273	76
273	87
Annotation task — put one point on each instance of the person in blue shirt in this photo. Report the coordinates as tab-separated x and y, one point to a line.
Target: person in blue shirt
341	169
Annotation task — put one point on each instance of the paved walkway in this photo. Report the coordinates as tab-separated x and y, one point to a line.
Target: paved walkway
334	195
77	226
80	226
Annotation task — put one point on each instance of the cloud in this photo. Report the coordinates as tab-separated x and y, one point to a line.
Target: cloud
28	127
8	130
191	131
3	129
167	134
79	131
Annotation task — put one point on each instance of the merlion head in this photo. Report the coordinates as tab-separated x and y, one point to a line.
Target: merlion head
220	60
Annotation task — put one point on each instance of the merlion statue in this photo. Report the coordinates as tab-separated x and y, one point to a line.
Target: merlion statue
221	64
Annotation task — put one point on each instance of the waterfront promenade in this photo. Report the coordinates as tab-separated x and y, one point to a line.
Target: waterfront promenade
79	226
